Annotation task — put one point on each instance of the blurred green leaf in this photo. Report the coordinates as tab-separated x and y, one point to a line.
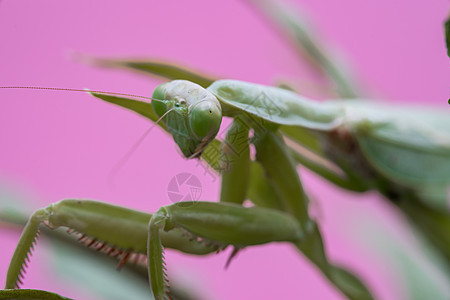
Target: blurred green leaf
447	35
418	269
294	27
96	274
143	108
29	294
157	68
433	223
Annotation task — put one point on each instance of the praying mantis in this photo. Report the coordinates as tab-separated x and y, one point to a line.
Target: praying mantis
342	133
269	118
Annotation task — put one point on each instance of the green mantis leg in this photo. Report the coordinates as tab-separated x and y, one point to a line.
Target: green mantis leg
235	164
279	168
114	230
345	181
26	243
260	190
220	223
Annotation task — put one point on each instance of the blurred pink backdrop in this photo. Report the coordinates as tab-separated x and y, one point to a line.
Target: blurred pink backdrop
56	145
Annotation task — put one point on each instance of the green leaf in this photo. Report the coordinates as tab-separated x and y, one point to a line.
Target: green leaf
143	108
157	68
418	270
294	27
447	35
433	223
29	294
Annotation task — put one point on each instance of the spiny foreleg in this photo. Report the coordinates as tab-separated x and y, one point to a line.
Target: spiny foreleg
220	223
114	230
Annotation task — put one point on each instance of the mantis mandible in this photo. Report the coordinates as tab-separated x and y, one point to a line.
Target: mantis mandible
347	132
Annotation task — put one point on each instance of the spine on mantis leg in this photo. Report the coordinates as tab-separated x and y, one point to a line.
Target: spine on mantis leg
235	164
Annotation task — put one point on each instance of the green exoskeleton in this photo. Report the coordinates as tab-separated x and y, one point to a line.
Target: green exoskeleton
371	149
196	117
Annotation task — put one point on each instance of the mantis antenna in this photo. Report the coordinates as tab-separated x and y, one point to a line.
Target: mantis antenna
136	145
77	90
127	155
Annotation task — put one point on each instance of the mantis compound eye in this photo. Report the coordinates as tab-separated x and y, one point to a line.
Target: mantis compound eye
159	107
204	119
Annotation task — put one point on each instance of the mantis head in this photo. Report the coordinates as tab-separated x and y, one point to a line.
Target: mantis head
192	114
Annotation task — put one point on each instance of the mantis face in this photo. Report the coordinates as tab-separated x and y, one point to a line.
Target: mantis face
195	116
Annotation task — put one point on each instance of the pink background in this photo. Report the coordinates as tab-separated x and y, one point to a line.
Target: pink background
56	145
